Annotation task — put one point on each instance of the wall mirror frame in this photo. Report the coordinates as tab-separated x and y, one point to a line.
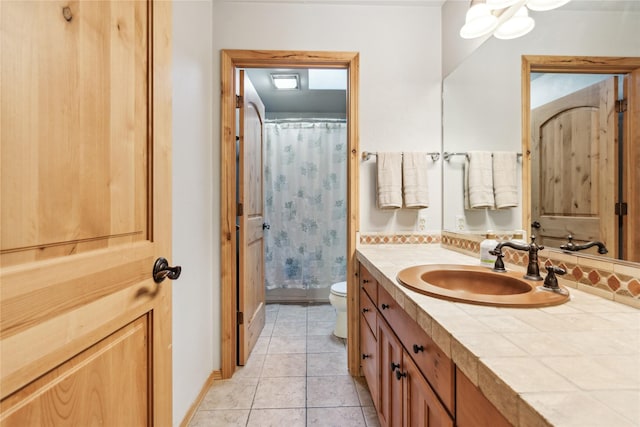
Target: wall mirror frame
630	163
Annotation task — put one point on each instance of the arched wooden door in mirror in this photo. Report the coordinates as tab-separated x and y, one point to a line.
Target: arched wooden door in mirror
581	121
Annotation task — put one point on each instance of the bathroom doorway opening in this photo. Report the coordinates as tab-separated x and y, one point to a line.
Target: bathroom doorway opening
304	181
231	62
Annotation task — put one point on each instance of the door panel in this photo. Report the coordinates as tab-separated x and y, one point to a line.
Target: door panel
422	406
251	290
573	167
631	168
60	397
390	388
86	209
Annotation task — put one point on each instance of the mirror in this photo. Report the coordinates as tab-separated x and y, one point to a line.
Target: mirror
483	96
583	133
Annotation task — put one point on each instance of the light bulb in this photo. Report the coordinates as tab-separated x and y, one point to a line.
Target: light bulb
478	22
519	25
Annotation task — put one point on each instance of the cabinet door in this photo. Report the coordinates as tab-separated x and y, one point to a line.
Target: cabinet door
369	358
473	408
390	388
422	407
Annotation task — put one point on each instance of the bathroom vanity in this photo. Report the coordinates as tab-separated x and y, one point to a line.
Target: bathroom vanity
430	361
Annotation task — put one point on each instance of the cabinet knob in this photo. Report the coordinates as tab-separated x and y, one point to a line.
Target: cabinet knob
395	366
399	374
365	280
384	306
366	356
365	310
418	348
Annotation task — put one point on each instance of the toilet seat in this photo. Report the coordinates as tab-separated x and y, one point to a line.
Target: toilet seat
339	289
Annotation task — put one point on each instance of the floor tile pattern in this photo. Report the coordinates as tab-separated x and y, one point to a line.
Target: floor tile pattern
296	376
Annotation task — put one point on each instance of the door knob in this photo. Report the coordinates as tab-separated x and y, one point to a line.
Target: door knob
162	270
266	226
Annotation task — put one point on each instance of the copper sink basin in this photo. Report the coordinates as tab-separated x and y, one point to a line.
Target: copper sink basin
478	285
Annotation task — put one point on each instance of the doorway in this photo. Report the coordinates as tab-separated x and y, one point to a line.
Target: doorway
231	61
304	181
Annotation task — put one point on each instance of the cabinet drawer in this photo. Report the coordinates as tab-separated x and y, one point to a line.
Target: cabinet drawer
437	368
369	358
368	310
369	284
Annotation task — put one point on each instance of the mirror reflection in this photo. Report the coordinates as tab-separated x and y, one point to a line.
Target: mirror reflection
483	110
583	143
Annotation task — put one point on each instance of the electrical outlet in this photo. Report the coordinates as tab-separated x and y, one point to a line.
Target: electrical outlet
460	223
421	224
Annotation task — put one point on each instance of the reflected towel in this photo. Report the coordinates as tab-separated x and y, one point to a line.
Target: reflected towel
389	180
415	188
478	180
505	186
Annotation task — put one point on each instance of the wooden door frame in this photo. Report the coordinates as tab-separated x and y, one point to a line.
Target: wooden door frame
576	65
230	60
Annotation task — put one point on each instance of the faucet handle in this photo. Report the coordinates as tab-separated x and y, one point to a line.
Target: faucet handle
498	266
552	269
551	281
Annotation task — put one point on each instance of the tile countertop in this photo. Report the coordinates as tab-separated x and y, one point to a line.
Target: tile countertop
576	364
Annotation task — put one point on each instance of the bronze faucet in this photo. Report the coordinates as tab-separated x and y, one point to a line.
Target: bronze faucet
533	270
570	246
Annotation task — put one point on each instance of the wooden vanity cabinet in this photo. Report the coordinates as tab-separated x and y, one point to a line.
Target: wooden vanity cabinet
397	380
412	382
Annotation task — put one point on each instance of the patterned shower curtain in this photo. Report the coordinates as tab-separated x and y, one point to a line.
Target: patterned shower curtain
305	204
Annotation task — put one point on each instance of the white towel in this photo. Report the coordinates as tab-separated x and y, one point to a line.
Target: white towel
415	187
389	180
505	186
478	180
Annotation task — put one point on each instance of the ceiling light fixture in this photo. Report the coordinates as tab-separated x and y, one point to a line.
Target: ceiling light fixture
505	19
286	81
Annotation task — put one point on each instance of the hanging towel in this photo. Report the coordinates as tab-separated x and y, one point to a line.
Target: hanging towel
415	187
505	179
389	180
478	180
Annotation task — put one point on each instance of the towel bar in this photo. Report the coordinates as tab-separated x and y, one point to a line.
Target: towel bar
366	155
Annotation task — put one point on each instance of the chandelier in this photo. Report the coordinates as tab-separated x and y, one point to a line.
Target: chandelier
506	19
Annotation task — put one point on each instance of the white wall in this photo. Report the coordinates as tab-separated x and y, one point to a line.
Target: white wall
400	50
482	97
196	334
400	77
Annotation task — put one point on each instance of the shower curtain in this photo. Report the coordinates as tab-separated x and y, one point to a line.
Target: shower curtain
305	204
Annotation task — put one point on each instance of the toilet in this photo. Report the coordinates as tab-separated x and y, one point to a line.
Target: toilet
338	299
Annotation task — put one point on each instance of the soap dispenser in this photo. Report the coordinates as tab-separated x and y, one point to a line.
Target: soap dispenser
488	244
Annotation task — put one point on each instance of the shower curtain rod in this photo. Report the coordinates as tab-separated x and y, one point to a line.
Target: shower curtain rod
303	119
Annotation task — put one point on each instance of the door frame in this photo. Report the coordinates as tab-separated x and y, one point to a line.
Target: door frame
230	60
586	65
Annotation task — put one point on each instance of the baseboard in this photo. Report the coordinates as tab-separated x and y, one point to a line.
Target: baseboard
215	376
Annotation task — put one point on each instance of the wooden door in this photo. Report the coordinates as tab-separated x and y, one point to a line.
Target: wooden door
421	405
389	403
251	290
85	126
574	167
631	168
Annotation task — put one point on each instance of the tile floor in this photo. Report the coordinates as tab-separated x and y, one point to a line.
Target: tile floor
296	376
